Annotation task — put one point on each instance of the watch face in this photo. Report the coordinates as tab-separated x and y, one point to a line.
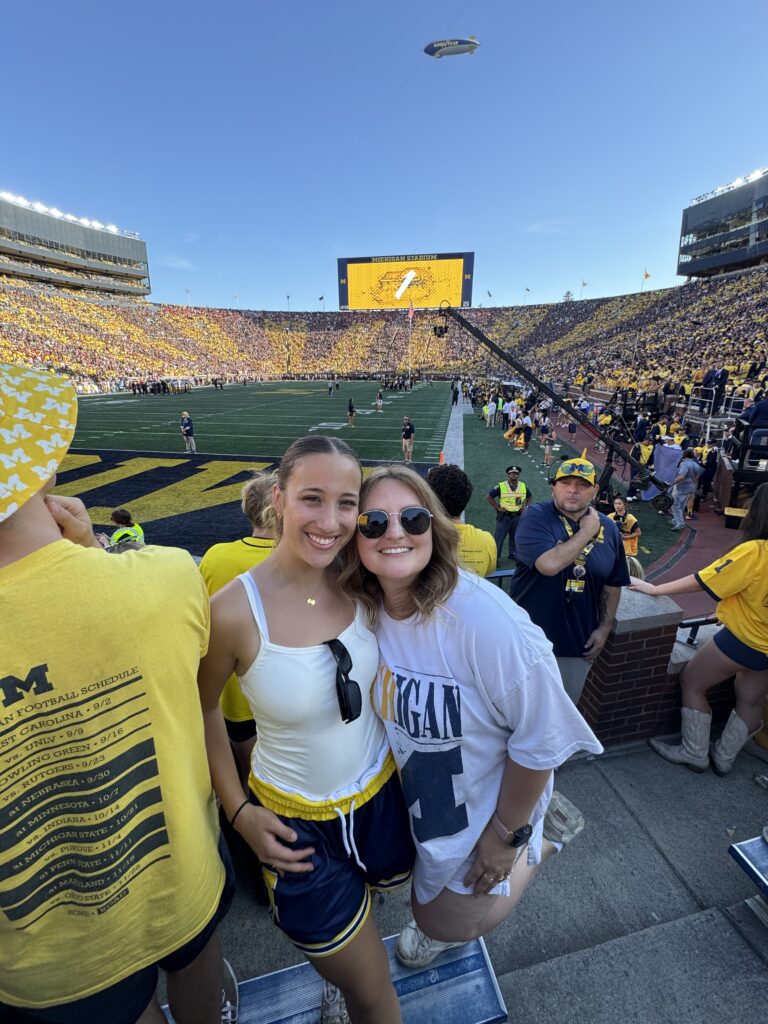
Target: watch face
521	836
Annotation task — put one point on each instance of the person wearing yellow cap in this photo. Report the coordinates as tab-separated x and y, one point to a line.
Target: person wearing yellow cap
109	865
571	568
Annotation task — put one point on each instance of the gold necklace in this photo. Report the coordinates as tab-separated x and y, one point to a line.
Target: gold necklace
311	601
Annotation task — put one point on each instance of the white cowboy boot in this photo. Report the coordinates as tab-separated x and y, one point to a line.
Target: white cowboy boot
733	737
693	749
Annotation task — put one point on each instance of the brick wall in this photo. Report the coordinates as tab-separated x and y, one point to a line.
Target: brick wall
628	694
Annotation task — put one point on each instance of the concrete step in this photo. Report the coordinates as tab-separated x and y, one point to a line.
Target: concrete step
695	969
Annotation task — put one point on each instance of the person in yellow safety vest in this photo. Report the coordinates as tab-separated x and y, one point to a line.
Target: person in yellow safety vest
509	498
629	528
126	528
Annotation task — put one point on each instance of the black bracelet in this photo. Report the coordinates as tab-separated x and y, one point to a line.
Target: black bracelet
242	805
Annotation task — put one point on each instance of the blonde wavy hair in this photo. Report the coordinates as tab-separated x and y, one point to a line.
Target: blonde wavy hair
436	581
256	498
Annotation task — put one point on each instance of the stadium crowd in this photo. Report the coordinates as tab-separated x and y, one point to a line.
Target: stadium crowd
645	342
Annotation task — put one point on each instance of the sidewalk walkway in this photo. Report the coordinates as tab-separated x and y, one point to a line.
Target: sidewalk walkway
641	920
453	446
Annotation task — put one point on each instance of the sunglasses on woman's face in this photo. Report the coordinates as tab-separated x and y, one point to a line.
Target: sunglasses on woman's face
347	690
414	520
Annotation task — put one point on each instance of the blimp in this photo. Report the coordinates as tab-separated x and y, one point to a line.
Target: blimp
451	47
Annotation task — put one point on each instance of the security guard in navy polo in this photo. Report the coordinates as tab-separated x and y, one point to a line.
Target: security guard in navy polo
509	498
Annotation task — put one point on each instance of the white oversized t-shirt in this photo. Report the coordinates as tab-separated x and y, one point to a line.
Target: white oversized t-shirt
459	693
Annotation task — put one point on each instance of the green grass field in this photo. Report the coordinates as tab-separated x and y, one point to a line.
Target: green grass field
194	502
261	420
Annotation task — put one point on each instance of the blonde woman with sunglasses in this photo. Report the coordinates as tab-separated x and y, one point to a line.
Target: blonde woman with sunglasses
475	713
323	788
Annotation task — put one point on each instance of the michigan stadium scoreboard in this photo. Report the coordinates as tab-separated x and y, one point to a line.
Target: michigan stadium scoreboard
422	281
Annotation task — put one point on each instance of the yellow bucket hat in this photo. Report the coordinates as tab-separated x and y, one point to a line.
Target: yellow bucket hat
38	413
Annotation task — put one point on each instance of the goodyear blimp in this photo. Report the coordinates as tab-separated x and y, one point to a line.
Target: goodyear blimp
451	47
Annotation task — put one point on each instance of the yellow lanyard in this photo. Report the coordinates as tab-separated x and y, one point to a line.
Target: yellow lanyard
579	568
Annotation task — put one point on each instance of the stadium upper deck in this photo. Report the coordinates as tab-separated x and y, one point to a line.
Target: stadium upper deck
42	244
674	334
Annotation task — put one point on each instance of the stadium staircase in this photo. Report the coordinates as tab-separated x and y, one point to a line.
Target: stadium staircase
643	919
459	987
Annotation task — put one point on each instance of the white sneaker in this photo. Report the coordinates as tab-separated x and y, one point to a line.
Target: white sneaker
415	949
229	995
333	1010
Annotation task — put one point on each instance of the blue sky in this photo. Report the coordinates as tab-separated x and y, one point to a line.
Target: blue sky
252	143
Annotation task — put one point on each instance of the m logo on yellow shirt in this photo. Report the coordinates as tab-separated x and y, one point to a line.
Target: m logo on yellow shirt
14	688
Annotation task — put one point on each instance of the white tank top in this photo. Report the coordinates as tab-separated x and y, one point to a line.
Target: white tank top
302	745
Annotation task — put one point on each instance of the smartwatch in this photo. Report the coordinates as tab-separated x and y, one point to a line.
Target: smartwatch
514	839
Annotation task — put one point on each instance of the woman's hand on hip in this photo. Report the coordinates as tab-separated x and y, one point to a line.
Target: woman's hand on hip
267	836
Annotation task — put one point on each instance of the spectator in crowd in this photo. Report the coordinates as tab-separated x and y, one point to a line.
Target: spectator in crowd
477	548
407	434
629	528
145	873
738	581
642	452
549	443
708	459
490	411
659	429
683	486
641	429
716	379
509	499
757	414
571	567
506	720
126	528
188	432
323	786
220	565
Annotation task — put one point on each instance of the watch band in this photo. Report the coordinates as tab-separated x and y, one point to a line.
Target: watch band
512	838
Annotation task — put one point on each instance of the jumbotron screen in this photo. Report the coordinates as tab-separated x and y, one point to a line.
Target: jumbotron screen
396	282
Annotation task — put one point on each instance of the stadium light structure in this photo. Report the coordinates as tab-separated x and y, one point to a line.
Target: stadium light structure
52	211
662	502
746	179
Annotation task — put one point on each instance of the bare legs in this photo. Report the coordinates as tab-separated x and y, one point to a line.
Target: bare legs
710	666
361	971
453	917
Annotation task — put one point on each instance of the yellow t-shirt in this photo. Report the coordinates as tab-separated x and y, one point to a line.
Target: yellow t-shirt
477	549
219	566
108	825
628	539
739	581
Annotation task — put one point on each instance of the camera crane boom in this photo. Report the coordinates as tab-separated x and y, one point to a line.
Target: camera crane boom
662	501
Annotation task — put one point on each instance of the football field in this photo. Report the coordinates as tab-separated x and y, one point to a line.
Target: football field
261	420
129	450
